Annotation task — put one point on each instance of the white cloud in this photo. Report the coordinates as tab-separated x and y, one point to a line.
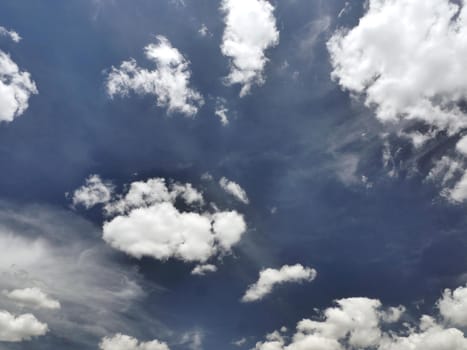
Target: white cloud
234	189
269	278
453	306
406	58
125	342
32	297
362	323
145	221
16	87
10	34
168	82
161	231
250	29
19	328
202	270
94	191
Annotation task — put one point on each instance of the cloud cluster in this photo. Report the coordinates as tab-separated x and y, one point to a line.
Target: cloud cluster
234	189
32	297
250	29
362	323
125	342
169	82
18	328
269	278
406	60
146	222
16	87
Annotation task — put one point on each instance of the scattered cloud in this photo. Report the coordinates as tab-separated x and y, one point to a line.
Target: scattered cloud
202	270
269	278
19	328
234	189
168	82
239	342
16	87
125	342
221	111
250	29
10	34
93	192
362	323
32	297
204	31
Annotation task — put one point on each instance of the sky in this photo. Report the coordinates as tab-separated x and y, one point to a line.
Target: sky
233	174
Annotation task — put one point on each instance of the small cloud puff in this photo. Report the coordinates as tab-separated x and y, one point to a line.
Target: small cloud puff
234	189
269	278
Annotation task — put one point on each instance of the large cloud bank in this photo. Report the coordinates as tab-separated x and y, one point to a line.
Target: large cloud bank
362	323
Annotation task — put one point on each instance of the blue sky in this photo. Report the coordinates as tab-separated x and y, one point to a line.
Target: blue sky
309	153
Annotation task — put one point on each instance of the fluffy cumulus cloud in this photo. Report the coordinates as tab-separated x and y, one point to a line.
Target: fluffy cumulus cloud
16	87
453	306
234	189
125	342
169	82
250	29
19	328
405	58
362	323
94	191
147	221
32	297
269	278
